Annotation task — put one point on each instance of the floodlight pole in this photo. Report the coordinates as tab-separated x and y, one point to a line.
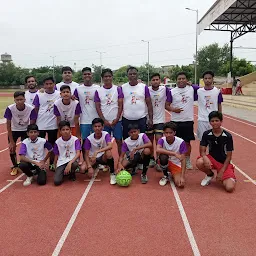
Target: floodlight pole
53	65
100	65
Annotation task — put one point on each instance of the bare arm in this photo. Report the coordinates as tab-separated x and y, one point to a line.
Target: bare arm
76	157
98	109
9	130
160	150
146	145
108	147
120	109
76	120
58	119
150	110
220	107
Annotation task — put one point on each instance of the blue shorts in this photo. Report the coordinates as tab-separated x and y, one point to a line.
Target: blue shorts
86	130
117	130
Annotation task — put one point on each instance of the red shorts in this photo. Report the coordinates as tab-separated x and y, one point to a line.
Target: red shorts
229	173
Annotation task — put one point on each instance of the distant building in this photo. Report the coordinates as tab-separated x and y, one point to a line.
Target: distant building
6	58
165	69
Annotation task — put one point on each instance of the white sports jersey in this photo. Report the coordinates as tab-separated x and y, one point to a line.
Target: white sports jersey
178	146
158	99
30	96
131	144
35	150
183	98
85	95
46	120
73	85
20	119
66	150
108	101
135	106
207	102
66	112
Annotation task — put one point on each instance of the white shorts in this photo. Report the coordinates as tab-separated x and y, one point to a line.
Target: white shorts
202	127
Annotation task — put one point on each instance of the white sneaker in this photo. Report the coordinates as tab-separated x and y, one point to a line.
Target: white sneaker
189	166
112	179
28	181
164	181
206	181
103	168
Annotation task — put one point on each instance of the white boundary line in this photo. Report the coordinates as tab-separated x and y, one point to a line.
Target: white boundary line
3	133
1	151
73	218
188	229
12	182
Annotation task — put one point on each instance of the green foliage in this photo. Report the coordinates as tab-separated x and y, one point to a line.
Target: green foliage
189	70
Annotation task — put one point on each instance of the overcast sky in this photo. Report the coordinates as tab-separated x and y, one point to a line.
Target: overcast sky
72	31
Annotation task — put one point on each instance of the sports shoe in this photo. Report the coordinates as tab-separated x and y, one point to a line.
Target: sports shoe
189	166
103	168
152	163
206	181
158	167
164	181
15	171
144	179
112	179
28	181
51	167
139	167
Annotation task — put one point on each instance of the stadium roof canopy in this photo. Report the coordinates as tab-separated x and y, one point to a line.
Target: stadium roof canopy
235	16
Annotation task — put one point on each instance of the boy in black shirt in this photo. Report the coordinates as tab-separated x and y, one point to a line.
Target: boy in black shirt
220	144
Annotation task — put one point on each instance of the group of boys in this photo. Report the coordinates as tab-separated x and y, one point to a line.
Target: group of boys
82	118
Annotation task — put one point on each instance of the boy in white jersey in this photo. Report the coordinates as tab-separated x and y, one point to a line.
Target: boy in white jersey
67	73
30	94
46	120
136	149
98	148
160	97
209	99
182	107
33	156
109	105
85	94
19	115
67	150
172	150
66	109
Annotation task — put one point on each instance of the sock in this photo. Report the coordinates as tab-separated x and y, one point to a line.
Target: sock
210	175
165	169
146	159
14	159
110	163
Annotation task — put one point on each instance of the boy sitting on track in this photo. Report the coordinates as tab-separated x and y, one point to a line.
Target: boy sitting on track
220	144
136	149
32	156
18	116
98	148
172	151
67	152
66	109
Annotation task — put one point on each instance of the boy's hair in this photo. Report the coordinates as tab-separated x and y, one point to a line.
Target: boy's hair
27	77
48	78
18	93
170	125
130	68
155	74
97	120
64	87
106	70
209	72
67	68
32	127
133	127
215	114
63	124
181	73
86	69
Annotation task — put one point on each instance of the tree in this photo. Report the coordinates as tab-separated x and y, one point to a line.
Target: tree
189	70
120	75
96	73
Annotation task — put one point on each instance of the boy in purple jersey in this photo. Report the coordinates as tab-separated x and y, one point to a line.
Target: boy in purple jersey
109	105
33	157
67	150
136	149
98	148
19	115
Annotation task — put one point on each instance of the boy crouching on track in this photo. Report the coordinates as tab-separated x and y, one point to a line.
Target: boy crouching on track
33	156
220	144
67	150
136	149
172	151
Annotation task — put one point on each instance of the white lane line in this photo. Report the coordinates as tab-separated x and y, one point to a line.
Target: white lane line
245	175
3	133
11	183
8	148
188	229
73	217
239	121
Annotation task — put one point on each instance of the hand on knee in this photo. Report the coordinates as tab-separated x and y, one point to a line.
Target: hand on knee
109	154
147	151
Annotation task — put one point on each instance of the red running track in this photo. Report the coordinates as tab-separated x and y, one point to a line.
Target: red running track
139	220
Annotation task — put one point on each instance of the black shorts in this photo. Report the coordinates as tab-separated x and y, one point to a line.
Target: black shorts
99	160
185	130
157	129
18	134
52	135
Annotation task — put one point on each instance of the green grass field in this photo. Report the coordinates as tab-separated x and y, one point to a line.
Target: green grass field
4	102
